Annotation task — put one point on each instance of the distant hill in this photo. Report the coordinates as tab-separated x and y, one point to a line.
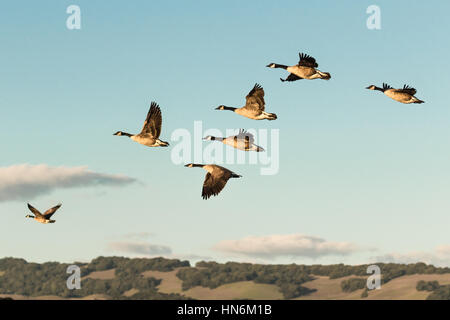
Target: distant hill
160	278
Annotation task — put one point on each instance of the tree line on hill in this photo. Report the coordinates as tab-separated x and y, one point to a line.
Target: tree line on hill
17	276
438	292
33	279
289	278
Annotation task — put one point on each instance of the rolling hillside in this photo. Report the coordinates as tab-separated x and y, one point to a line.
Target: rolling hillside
159	278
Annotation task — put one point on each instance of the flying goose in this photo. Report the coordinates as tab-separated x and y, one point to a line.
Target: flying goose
215	179
242	141
404	95
305	69
150	131
254	106
42	218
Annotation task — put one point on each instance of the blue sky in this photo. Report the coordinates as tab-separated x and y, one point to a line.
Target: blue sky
355	166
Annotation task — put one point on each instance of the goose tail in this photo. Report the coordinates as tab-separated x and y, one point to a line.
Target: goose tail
272	116
162	143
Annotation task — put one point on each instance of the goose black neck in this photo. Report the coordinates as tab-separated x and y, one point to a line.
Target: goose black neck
282	66
229	108
127	134
379	89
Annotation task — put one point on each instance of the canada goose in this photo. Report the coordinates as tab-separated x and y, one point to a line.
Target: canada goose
305	69
404	95
242	141
215	179
254	106
150	131
42	218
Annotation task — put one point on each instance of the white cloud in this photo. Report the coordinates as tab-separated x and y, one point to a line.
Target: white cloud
137	244
439	257
25	182
138	235
140	248
191	257
295	245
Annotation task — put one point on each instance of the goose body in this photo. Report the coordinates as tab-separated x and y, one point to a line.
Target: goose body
215	180
254	107
304	69
242	141
403	95
42	217
149	135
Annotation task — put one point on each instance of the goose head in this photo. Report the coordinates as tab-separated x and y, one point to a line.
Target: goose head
271	65
192	165
118	133
209	138
371	87
221	107
29	216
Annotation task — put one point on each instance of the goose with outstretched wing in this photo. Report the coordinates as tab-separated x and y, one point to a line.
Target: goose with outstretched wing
403	95
304	69
215	180
244	140
42	217
149	135
254	106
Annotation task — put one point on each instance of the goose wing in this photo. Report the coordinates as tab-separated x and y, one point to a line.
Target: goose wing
307	61
386	86
34	210
51	211
255	98
291	77
407	89
214	183
245	135
153	122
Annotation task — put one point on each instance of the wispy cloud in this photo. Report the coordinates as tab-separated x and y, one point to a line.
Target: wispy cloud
138	235
191	257
140	248
138	244
440	256
294	245
25	182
